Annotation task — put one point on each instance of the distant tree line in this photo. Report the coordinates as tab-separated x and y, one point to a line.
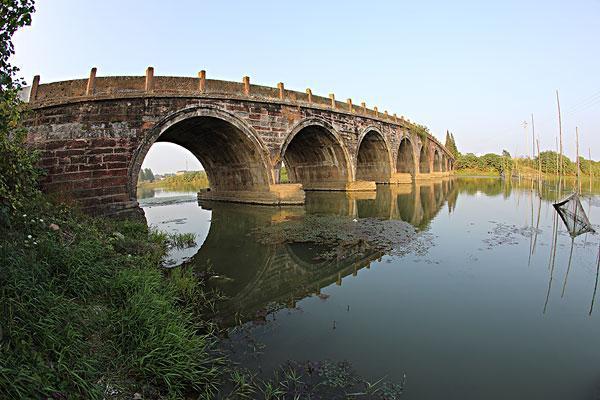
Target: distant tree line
505	164
190	179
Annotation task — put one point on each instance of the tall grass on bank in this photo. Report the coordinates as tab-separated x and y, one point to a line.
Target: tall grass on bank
87	313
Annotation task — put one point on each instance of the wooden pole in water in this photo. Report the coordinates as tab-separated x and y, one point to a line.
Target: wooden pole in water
577	154
532	137
560	134
539	162
526	149
556	139
591	172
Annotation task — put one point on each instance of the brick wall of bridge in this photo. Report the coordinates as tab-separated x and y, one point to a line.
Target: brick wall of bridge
90	143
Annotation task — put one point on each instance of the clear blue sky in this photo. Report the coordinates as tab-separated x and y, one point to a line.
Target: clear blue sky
476	68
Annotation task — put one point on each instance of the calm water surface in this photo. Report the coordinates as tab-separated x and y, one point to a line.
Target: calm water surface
480	313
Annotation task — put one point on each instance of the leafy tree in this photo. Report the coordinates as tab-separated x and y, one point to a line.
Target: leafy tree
550	160
467	161
18	171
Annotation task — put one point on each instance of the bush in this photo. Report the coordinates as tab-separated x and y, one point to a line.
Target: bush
18	172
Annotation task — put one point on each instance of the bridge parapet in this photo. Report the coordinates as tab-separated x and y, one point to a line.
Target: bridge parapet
119	87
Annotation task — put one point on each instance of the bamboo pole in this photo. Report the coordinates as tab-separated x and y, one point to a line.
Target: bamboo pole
591	172
539	163
526	148
560	134
577	155
556	139
532	137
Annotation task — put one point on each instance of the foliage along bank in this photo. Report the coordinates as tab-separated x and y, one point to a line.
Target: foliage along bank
191	179
505	165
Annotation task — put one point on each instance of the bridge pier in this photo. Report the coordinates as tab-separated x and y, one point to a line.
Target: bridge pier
401	178
355	186
278	194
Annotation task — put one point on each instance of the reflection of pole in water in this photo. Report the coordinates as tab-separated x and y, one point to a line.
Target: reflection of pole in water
568	268
531	226
549	287
537	224
596	284
552	260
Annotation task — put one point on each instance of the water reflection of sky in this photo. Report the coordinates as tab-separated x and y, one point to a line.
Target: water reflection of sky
466	320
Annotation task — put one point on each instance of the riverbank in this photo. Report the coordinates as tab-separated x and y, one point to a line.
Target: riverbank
528	173
88	313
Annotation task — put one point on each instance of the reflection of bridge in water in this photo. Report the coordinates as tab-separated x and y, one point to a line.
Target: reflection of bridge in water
258	275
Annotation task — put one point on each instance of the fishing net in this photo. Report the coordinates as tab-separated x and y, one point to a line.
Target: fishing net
572	213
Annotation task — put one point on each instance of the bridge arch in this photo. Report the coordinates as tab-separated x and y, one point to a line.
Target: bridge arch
405	162
230	151
373	156
423	160
314	154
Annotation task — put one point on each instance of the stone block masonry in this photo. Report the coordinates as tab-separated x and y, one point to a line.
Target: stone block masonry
93	135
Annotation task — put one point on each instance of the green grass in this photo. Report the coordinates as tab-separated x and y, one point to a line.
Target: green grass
85	309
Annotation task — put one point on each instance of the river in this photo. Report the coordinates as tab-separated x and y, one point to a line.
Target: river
472	307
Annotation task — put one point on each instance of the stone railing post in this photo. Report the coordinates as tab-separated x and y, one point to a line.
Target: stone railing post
202	83
386	114
309	95
395	118
364	107
149	87
349	101
376	112
34	88
91	83
281	90
332	97
246	81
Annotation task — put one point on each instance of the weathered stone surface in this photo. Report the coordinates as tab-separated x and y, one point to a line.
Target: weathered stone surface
93	138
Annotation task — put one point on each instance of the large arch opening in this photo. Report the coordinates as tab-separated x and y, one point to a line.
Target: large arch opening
168	169
405	162
314	157
231	156
423	161
373	158
437	161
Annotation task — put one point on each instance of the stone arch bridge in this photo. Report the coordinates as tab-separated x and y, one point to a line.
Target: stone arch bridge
94	133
